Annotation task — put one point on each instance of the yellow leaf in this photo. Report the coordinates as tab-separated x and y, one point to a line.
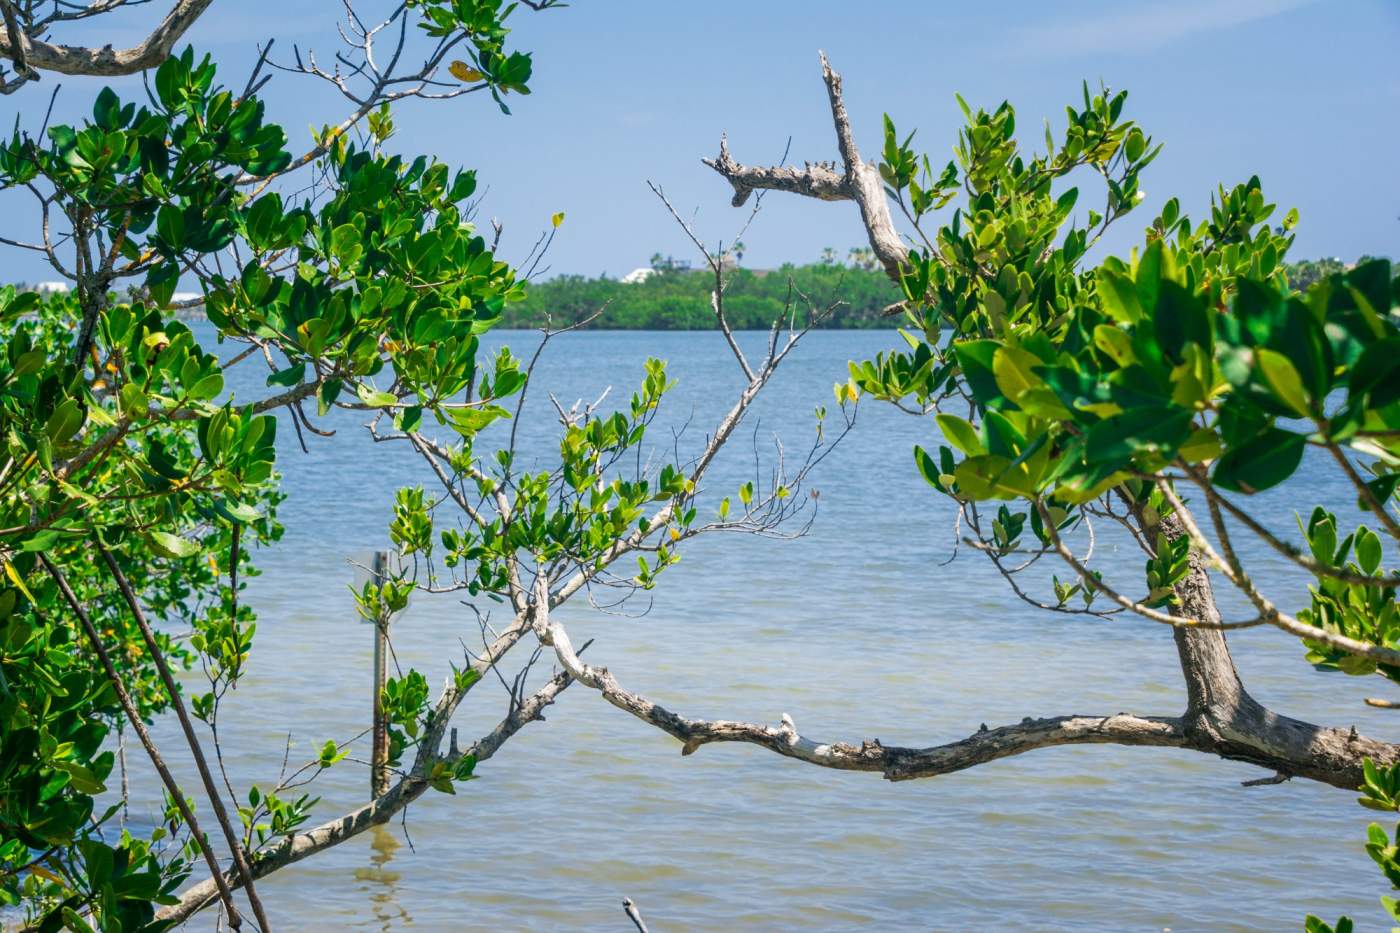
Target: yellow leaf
1204	444
1283	378
18	581
465	73
557	219
44	873
1102	409
1012	368
1116	343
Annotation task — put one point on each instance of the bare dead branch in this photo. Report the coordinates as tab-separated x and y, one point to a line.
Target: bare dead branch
859	181
37	54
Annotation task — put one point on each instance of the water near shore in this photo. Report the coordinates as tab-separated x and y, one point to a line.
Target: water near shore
858	632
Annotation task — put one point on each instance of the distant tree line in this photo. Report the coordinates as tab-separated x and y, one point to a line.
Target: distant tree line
678	298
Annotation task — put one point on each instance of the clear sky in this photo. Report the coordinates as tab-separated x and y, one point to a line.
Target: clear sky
1305	94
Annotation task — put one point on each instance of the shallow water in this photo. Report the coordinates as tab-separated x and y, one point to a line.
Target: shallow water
857	631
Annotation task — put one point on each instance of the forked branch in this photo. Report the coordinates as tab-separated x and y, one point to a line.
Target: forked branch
35	54
857	181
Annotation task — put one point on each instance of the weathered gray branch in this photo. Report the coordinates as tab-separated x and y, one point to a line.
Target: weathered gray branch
40	55
859	181
814	180
894	762
1221	719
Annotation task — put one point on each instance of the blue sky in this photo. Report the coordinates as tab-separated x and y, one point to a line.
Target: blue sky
1305	94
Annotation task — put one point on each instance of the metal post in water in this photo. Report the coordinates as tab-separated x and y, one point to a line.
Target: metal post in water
379	755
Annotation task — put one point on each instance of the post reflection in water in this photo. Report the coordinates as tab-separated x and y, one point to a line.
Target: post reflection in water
380	884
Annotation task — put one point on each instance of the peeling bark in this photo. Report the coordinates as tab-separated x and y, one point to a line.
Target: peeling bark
859	182
36	54
1229	724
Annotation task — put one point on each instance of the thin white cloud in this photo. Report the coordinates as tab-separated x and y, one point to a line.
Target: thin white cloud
1143	25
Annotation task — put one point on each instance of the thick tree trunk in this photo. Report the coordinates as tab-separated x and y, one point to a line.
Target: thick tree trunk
1223	719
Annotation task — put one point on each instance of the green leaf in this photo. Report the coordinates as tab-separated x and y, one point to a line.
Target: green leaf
106	108
168	545
927	468
1119	298
327	394
1368	551
1284	380
345	243
1115	342
1377	371
170	223
1178	318
65	422
82	780
1137	430
961	434
373	397
1203	444
410	419
73	921
290	376
240	512
134	401
469	421
976	359
1261	463
1134	145
208	387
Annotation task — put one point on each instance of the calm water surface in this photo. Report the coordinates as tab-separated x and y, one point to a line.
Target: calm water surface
857	631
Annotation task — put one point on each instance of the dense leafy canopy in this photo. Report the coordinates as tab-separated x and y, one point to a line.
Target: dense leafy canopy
121	441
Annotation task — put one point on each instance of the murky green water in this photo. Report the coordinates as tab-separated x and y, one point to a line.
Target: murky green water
857	632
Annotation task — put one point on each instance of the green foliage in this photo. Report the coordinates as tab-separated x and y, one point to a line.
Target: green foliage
269	817
116	431
483	22
573	513
1363	610
1201	359
680	300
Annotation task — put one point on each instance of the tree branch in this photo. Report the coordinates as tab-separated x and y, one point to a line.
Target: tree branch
219	888
380	810
860	181
216	802
82	60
